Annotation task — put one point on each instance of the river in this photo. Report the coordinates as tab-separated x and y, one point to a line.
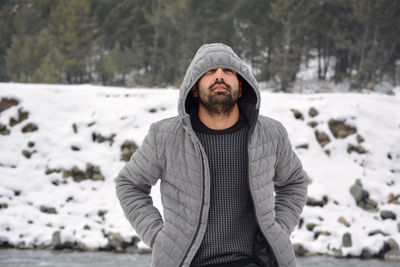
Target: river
39	258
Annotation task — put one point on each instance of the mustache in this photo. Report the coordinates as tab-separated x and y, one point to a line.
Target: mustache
219	82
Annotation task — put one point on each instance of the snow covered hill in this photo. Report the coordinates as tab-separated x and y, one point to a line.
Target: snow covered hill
61	147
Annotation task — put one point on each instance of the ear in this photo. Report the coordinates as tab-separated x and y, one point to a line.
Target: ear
195	90
240	89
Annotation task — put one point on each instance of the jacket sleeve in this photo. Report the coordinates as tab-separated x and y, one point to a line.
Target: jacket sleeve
291	183
133	186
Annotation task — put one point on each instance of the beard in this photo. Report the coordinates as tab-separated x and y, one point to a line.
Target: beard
221	102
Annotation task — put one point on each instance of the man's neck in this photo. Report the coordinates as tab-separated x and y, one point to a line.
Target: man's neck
218	121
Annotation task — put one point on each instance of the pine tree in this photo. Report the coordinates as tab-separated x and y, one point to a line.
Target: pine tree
6	32
73	30
378	40
292	16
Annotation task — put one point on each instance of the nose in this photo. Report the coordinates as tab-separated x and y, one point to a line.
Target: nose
219	74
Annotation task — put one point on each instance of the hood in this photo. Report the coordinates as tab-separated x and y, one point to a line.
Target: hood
212	56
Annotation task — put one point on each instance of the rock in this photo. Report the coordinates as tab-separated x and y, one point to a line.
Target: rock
21	245
299	250
6	103
318	233
56	240
369	205
43	246
22	115
93	172
395	170
327	152
312	124
30	127
49	210
31	144
366	254
5	244
357	192
387	214
340	129
356	148
3	206
337	253
310	226
86	227
343	221
377	232
77	174
392	199
384	249
153	110
320	203
134	241
75	148
75	128
303	146
361	197
301	222
66	173
322	138
26	154
95	169
392	255
128	147
393	244
297	114
50	171
346	240
96	137
82	246
101	213
312	112
97	177
398	227
4	130
360	139
116	242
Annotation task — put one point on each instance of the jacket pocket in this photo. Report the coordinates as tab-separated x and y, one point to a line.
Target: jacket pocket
262	252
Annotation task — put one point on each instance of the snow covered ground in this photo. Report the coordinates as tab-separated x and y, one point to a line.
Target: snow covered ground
69	120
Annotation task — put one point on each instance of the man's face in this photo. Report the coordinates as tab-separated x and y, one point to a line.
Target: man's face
218	90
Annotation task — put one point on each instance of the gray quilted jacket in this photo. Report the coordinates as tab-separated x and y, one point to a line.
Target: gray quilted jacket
172	153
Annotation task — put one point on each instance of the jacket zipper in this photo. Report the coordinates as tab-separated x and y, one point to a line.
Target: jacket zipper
254	205
201	213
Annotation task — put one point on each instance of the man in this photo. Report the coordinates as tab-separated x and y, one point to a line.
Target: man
232	189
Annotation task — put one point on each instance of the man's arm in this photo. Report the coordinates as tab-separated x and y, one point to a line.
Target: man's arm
133	186
290	184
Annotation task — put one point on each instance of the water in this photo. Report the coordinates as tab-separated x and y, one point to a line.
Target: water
38	258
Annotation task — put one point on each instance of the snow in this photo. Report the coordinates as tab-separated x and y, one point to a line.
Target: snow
128	113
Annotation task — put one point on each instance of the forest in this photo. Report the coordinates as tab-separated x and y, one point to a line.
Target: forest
150	43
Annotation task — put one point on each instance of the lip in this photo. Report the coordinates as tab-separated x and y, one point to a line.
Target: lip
219	89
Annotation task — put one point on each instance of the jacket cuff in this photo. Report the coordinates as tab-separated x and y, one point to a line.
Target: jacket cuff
285	220
154	238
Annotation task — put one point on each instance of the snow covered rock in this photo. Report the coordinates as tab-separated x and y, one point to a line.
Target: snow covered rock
340	129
